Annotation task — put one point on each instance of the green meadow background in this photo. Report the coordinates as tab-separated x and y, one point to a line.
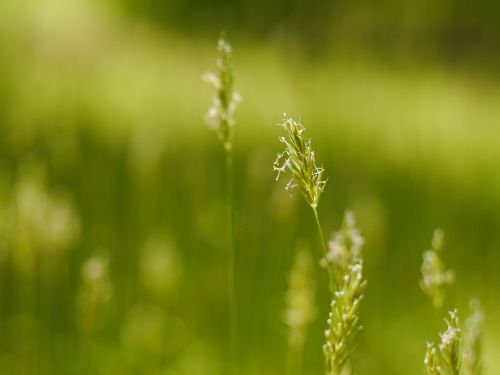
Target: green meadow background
112	190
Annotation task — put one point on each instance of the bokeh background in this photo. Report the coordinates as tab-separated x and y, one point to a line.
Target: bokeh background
112	216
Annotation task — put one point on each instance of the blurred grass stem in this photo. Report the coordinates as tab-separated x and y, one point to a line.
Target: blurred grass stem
294	361
233	322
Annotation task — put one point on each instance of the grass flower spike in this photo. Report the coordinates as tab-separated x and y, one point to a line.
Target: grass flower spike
450	344
344	260
472	363
299	159
343	321
449	361
344	248
300	311
220	116
435	278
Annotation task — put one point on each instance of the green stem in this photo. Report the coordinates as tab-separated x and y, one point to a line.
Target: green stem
323	244
231	261
294	360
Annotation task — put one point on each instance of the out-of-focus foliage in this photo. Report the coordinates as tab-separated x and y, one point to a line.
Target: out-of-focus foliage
451	29
112	258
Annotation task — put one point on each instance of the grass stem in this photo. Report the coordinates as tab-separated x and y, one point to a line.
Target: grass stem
323	244
233	323
294	361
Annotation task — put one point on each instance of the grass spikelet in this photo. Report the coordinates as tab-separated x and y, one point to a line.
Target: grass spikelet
220	116
472	348
301	310
435	278
431	360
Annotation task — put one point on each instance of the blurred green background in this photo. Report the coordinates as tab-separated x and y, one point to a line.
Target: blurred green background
112	213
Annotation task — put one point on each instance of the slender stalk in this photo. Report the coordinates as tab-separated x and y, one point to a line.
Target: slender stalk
323	244
294	361
233	323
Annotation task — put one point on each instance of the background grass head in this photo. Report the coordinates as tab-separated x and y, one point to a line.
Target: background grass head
220	116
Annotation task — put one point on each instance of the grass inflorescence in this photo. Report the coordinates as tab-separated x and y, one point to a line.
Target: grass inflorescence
343	320
435	277
473	346
345	260
448	360
300	308
299	159
220	117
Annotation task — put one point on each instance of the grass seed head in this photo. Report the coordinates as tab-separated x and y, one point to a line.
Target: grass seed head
345	246
300	310
448	360
450	344
435	278
472	351
298	158
343	320
220	116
